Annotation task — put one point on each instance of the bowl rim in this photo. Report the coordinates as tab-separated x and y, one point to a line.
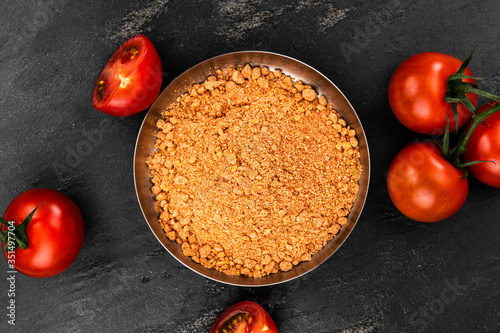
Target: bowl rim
366	169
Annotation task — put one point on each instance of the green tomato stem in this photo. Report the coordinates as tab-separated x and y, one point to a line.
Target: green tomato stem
477	119
19	233
458	89
457	93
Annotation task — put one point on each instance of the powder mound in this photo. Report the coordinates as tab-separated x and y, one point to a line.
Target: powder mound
253	172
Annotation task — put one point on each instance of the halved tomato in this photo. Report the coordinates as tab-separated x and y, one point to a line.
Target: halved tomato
131	79
244	317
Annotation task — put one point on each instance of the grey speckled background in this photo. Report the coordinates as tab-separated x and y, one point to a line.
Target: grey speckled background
391	275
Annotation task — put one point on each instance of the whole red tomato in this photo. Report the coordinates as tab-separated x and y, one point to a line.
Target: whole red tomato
130	80
245	317
417	90
423	185
54	235
484	145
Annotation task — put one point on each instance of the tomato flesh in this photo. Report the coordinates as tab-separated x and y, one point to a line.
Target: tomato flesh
417	90
131	79
484	145
55	233
423	185
244	317
240	322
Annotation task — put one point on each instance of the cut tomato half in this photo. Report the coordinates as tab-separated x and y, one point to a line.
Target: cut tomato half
131	79
245	317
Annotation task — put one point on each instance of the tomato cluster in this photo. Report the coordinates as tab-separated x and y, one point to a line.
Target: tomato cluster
434	93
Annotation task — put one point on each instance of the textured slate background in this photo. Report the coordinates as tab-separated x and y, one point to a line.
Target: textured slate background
391	275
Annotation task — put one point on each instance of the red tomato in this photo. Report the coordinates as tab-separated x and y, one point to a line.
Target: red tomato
417	90
244	317
423	185
55	233
484	145
130	80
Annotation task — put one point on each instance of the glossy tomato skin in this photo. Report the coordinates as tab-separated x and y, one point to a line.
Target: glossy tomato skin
484	145
423	185
131	79
55	233
417	90
260	321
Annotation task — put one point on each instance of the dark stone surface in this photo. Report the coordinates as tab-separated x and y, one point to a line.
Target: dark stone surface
391	275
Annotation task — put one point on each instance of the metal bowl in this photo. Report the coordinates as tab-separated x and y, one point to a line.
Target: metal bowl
197	74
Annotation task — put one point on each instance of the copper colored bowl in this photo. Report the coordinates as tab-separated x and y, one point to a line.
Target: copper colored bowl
197	74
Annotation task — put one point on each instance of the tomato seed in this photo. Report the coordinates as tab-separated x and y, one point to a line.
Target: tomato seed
233	322
129	54
101	89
